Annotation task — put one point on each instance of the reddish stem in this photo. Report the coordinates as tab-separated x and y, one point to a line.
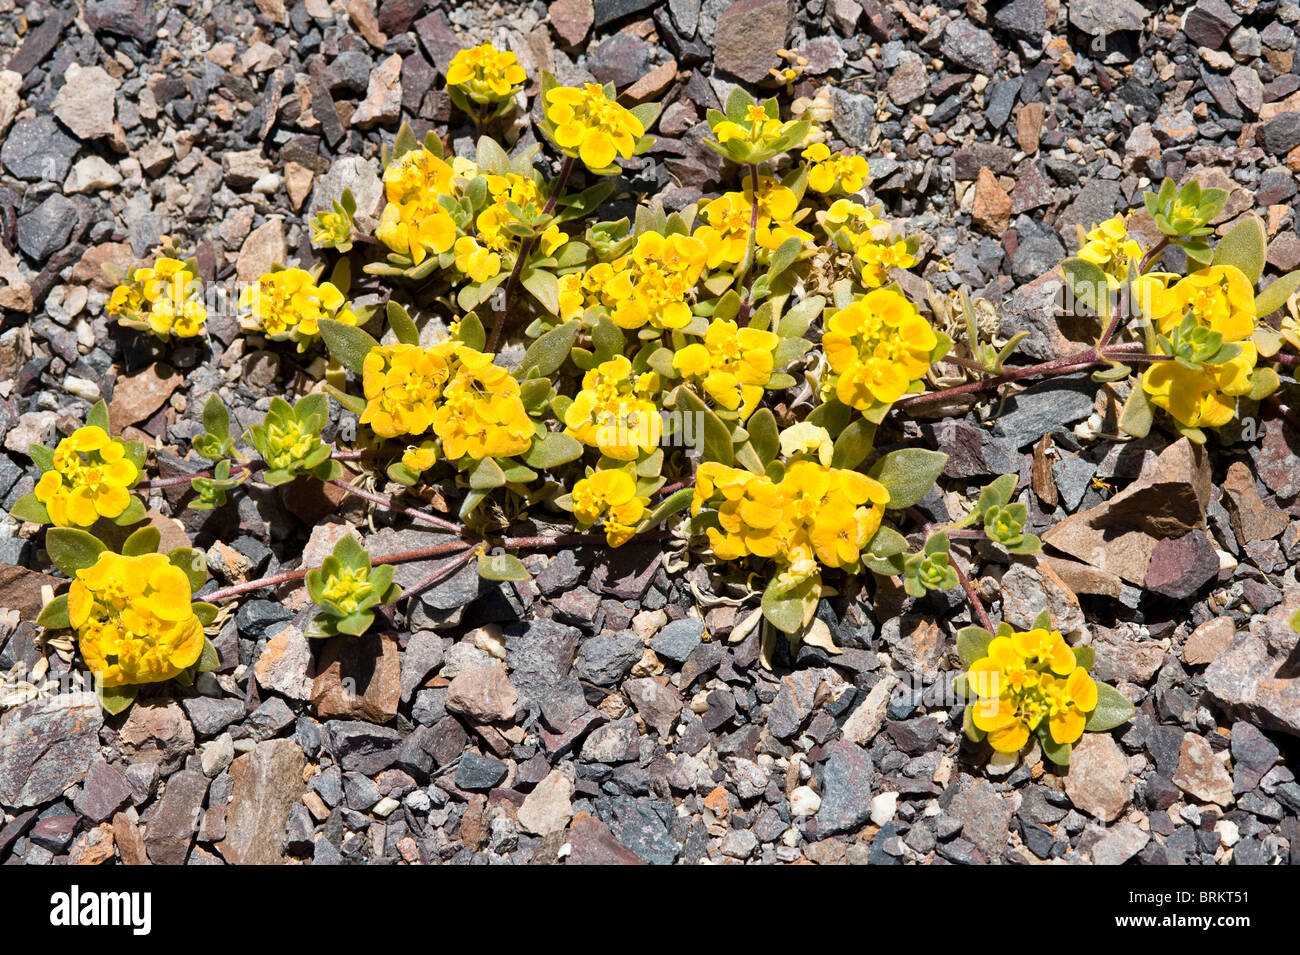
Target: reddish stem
423	553
411	512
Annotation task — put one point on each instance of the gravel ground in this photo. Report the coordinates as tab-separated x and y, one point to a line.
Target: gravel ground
600	713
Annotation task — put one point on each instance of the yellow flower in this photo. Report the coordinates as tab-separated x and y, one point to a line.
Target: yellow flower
413	222
475	261
163	299
1023	679
733	363
90	479
870	240
1110	247
481	413
1220	297
759	128
614	411
134	619
421	457
485	74
652	284
609	495
828	171
1206	396
289	304
806	438
815	514
876	348
402	385
591	126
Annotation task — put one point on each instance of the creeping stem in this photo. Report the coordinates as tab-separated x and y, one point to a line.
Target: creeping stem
512	283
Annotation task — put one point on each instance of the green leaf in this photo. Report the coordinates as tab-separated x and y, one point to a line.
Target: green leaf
351	555
348	344
27	508
191	562
1263	382
784	256
1113	709
997	492
209	659
115	699
1084	657
143	541
502	567
672	504
134	513
854	444
54	615
763	435
486	475
1138	414
1088	283
544	287
908	474
98	417
71	549
551	451
884	554
216	419
205	611
1059	753
548	353
1276	295
1244	247
399	320
472	332
41	456
790	608
718	443
972	644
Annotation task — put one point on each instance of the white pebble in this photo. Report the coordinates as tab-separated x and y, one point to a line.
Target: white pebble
883	808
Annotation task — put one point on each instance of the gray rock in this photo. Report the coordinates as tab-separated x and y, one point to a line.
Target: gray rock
641	825
174	821
606	658
970	47
1121	842
128	18
102	794
45	747
479	773
358	746
268	782
423	655
676	641
1209	23
37	149
1104	17
1024	18
985	817
1028	416
846	789
1281	134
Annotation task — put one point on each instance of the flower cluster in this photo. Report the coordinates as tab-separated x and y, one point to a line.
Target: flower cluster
472	405
414	223
813	515
725	234
877	348
289	304
616	412
134	619
591	126
163	299
1026	683
829	171
611	496
485	74
733	364
651	285
89	478
1110	247
1206	321
857	229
